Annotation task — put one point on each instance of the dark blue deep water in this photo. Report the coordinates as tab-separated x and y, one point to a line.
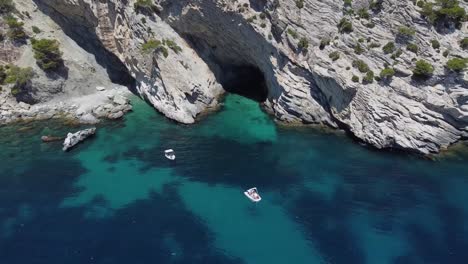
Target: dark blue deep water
326	199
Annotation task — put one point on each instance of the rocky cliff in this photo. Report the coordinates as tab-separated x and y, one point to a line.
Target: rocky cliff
355	64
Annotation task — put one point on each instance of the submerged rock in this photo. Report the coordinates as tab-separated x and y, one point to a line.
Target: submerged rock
49	138
74	138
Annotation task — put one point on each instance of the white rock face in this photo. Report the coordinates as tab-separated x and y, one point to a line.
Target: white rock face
309	87
73	139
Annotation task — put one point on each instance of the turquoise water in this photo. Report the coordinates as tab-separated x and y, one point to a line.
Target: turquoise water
326	199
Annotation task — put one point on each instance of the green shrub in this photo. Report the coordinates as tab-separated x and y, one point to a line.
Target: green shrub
387	73
348	2
47	53
292	33
406	32
370	24
435	44
345	26
153	45
453	12
444	10
388	48
160	46
6	6
423	69
369	78
456	64
429	13
324	42
141	5
464	43
355	79
358	49
15	29
300	3
445	53
335	55
36	30
362	13
303	44
361	66
3	74
173	46
18	76
412	47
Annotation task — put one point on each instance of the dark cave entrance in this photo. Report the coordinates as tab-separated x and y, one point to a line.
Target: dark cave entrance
245	80
231	69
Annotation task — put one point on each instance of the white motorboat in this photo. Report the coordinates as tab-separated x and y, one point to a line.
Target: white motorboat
170	154
253	195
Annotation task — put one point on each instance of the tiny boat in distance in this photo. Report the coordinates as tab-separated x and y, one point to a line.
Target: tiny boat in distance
170	154
253	195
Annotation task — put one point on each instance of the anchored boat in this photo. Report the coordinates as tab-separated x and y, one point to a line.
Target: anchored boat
170	154
253	195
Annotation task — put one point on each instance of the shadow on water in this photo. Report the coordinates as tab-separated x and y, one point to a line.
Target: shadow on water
35	229
326	223
221	161
390	194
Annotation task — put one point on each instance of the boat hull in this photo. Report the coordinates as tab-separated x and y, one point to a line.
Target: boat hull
252	198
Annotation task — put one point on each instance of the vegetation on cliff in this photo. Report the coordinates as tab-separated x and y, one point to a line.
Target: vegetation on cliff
47	54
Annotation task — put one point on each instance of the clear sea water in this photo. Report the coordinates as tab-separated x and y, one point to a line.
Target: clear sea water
326	199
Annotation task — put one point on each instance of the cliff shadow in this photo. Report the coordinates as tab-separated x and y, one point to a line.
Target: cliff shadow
89	41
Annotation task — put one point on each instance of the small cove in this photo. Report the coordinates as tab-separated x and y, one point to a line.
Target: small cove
326	199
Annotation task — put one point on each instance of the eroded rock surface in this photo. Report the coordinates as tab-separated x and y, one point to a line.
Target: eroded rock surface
74	139
304	85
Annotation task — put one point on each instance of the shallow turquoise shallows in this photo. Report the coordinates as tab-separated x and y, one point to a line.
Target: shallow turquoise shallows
326	199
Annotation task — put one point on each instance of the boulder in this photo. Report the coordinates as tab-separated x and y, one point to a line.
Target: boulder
73	139
116	115
120	100
50	138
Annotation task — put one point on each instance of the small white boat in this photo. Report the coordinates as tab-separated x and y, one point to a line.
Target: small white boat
170	154
253	195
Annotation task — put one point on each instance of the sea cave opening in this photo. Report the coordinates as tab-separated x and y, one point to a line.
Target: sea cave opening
244	80
231	67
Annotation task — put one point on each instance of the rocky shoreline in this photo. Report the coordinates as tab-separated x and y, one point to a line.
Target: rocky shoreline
353	65
88	109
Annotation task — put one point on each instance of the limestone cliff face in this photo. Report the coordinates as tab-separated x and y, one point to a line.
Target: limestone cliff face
304	85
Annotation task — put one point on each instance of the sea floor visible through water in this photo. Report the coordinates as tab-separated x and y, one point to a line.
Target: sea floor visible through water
116	198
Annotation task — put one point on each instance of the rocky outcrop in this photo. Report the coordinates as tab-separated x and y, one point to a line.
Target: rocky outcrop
289	44
87	109
73	139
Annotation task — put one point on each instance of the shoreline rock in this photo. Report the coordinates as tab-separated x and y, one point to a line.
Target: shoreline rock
47	139
74	139
88	109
